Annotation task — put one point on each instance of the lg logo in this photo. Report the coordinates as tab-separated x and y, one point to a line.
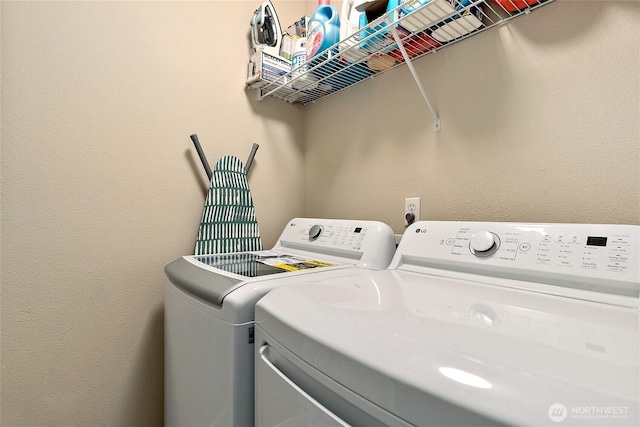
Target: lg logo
421	230
557	412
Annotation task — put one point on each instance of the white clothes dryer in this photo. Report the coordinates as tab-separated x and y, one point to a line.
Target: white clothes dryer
209	311
473	324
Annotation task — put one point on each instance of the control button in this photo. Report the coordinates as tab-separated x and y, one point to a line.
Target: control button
524	247
484	243
449	241
315	232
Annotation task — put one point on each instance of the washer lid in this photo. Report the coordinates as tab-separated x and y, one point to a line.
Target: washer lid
212	277
417	344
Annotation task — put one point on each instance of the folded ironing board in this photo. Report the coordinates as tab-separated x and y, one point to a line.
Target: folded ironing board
229	219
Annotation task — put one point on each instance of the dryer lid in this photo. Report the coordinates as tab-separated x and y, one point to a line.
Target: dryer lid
414	344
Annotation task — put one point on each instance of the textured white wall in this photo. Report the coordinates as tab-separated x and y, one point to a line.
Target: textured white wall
101	187
540	122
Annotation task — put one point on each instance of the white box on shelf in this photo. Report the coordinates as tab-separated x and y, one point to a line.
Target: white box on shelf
264	69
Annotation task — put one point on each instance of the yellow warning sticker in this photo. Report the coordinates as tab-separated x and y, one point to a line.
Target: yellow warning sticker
303	265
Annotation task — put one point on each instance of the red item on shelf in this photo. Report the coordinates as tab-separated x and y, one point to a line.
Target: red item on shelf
514	5
415	45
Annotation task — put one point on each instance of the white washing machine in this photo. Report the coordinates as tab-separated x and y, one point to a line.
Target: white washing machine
473	324
209	311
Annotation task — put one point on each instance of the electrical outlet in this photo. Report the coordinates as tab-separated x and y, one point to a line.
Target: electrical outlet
411	210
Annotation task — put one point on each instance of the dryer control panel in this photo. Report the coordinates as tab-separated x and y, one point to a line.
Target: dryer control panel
593	257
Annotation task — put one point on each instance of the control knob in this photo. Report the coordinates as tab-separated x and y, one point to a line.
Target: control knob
484	243
315	232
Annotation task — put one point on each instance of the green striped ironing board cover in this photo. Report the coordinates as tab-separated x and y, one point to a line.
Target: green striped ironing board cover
229	218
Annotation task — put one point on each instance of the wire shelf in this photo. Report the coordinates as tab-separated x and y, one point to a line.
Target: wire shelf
413	29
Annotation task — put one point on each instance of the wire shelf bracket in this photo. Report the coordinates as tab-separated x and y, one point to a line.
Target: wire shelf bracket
409	63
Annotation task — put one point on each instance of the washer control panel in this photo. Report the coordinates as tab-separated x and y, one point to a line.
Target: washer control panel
538	251
365	243
350	237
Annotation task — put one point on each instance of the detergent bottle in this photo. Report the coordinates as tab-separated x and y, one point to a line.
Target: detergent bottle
302	80
323	30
